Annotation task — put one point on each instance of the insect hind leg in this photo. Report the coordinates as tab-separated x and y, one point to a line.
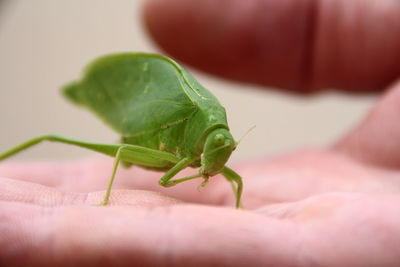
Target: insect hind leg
102	148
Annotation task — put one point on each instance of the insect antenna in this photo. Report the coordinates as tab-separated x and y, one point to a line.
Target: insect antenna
245	134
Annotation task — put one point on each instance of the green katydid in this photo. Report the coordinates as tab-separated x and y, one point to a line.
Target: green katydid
167	120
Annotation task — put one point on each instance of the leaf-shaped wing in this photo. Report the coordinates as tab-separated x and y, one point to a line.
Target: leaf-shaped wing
134	93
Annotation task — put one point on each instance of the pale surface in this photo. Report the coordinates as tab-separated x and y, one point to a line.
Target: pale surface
45	43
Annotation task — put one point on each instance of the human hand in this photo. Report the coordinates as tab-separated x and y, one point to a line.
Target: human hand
336	206
327	207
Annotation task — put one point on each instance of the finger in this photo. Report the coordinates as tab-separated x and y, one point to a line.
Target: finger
188	235
376	139
335	226
297	45
79	176
25	192
89	175
175	236
286	178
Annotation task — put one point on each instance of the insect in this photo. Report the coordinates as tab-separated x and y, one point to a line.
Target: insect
167	120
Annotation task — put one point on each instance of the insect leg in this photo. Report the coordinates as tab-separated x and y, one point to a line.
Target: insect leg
153	157
147	157
137	155
110	150
232	176
166	179
116	162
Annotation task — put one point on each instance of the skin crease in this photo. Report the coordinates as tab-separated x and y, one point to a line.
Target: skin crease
332	206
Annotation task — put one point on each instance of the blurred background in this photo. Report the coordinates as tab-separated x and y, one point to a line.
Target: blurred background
46	43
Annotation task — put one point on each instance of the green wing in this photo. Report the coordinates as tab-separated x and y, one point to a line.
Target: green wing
134	93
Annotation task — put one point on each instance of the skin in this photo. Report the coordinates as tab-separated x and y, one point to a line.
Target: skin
332	206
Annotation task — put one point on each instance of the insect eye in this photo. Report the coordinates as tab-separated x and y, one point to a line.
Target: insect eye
219	139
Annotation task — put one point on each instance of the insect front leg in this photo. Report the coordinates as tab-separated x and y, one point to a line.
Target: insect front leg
232	176
166	179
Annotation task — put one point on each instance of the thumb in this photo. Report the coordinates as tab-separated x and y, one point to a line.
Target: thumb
377	139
